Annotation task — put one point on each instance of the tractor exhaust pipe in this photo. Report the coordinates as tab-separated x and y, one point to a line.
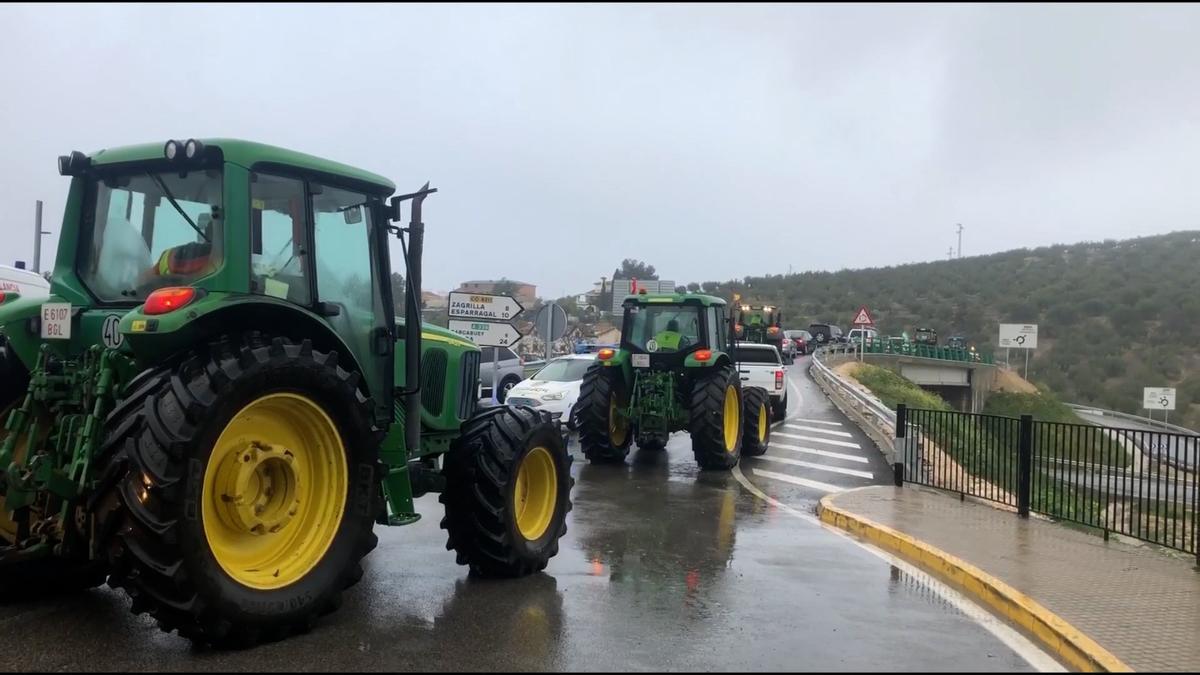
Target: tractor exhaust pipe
412	317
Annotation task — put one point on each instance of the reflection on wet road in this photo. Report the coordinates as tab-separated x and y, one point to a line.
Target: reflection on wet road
663	567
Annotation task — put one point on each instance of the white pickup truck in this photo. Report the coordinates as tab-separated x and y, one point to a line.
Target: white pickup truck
761	366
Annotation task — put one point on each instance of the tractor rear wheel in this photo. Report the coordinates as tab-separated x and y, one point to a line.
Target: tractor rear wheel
604	434
756	421
508	491
248	491
716	418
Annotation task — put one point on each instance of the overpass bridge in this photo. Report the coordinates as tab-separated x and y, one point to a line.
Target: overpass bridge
962	377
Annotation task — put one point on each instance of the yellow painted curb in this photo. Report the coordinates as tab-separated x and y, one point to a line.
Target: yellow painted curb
1074	648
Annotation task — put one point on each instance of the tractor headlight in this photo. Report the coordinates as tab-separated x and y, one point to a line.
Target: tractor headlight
192	148
171	150
554	396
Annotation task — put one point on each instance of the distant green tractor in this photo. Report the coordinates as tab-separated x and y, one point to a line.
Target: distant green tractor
761	324
211	410
674	370
926	336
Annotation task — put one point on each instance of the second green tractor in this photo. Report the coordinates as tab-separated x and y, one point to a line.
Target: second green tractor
674	370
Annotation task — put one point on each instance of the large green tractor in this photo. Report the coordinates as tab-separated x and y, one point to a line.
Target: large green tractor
674	370
761	324
217	404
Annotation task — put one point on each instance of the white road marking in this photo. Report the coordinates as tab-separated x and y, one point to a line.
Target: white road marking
819	430
817	467
822	453
810	421
1023	646
828	441
803	482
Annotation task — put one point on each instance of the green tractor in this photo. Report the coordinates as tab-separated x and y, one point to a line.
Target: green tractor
926	336
761	324
217	405
673	370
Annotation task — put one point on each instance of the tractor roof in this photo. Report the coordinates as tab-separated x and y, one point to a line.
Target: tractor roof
674	299
249	154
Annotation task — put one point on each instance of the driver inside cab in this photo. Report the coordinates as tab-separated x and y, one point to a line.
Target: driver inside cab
191	259
670	339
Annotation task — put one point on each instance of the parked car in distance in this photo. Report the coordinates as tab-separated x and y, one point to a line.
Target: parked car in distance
857	336
789	349
826	333
554	388
802	339
511	371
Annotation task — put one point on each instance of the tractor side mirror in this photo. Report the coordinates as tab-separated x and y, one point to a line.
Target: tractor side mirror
353	215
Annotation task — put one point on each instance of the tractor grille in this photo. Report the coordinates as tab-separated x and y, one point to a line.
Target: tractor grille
433	380
468	385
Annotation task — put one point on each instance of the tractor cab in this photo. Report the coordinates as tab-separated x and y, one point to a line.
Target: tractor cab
926	336
669	330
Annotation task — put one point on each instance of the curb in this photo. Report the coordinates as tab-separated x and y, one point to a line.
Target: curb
1069	644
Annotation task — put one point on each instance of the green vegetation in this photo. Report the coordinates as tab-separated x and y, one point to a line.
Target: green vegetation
1044	406
893	389
1114	316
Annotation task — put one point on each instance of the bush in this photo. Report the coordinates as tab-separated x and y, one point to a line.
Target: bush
893	389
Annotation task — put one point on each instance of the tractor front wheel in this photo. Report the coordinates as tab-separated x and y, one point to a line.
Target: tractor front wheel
604	431
248	491
508	491
716	418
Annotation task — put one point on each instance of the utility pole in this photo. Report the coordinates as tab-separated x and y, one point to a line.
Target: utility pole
960	229
37	239
950	253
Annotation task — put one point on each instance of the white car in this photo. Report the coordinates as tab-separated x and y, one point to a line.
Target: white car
16	282
554	388
761	366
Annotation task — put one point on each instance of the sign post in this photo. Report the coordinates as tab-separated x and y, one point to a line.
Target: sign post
483	319
862	320
1019	336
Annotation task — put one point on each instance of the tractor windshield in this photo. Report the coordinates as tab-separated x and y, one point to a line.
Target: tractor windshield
652	328
146	230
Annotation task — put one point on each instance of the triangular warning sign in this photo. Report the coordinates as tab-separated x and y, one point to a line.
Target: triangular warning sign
863	318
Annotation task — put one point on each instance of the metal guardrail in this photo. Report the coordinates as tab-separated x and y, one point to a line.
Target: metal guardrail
869	413
1129	417
917	350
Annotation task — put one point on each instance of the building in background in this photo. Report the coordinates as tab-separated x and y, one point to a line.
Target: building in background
433	300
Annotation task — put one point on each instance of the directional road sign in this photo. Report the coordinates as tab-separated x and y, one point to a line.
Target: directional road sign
486	333
483	306
1019	335
1158	398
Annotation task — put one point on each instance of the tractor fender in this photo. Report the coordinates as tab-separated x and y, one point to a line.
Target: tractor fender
161	338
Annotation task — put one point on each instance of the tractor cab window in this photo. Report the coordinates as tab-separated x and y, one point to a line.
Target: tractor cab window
663	329
146	230
279	257
342	233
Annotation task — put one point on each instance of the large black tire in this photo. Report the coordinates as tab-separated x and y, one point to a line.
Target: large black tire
756	421
602	443
160	440
652	440
707	418
483	495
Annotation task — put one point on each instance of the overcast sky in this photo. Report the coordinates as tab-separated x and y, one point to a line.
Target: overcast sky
711	141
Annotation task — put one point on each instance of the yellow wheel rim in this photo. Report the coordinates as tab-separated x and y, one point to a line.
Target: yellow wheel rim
536	493
618	427
731	418
274	491
762	423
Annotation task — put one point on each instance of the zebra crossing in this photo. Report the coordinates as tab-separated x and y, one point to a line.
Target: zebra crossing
821	455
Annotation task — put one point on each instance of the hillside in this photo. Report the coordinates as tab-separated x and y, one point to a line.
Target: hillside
1114	316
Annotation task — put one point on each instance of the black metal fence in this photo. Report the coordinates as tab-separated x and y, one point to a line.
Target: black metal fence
1126	481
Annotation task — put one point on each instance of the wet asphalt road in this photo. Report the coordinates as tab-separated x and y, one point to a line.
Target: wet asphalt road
663	568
